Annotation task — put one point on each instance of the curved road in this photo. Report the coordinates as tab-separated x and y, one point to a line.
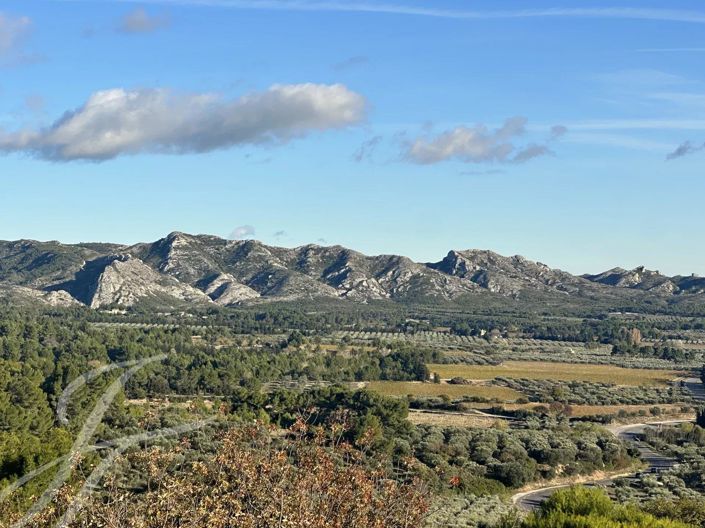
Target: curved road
696	388
531	500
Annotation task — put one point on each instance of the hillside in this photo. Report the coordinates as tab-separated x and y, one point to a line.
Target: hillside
643	279
200	270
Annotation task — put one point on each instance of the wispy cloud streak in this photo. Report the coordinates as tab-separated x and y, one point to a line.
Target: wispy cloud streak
671	50
672	15
638	124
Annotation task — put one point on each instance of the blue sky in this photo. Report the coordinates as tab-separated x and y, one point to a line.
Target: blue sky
390	127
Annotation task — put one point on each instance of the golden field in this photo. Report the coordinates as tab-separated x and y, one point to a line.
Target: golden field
557	371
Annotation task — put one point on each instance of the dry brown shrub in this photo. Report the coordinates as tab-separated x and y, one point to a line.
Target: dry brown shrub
255	481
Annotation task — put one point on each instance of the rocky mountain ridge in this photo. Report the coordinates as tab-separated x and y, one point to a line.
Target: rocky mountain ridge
183	269
647	280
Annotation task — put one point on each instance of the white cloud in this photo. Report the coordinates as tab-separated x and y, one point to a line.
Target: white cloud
13	30
139	21
118	122
241	232
530	152
475	145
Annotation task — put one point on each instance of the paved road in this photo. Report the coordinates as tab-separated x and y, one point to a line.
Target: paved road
655	461
531	500
629	433
696	388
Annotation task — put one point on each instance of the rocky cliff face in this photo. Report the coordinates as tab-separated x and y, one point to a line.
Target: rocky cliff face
20	295
198	269
122	280
255	270
507	275
126	281
225	290
652	281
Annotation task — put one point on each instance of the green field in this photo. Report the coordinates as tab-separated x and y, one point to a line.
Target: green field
557	371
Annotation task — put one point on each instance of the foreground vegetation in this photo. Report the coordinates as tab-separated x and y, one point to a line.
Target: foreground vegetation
580	507
255	480
290	435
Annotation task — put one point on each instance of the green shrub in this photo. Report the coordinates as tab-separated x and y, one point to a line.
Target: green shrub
589	508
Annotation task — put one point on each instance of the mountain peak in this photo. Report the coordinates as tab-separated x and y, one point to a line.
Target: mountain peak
506	275
184	268
638	278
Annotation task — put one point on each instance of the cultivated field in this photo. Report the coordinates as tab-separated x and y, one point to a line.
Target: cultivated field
476	350
558	371
675	410
449	419
416	388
